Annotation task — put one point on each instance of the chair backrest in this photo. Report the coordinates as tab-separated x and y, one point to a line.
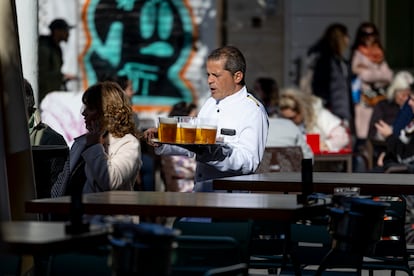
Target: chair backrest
391	251
48	162
196	254
393	239
239	230
309	244
281	159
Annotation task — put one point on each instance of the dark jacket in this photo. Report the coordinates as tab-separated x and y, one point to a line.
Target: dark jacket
50	65
331	82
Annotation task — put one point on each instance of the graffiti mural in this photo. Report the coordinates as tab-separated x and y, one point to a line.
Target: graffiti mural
151	42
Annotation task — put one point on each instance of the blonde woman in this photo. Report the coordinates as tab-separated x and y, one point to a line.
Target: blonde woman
307	112
108	157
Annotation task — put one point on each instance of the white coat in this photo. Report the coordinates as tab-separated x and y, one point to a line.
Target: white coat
245	115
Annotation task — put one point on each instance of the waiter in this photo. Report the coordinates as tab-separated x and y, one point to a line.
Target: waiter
242	123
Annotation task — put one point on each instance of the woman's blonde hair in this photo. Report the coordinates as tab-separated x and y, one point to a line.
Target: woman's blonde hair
113	107
300	102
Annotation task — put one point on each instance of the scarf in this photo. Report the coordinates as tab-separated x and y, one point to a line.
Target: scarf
374	53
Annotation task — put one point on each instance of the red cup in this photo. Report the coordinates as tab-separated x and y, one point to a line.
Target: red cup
313	140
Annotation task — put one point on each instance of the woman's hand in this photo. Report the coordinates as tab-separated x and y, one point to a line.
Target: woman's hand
95	134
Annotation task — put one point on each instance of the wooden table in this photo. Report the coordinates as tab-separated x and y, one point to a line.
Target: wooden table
324	182
176	204
335	157
37	238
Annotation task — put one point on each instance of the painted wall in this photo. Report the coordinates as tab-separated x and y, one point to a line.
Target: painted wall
158	44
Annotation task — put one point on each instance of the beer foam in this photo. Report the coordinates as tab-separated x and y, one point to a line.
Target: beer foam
207	127
166	120
187	125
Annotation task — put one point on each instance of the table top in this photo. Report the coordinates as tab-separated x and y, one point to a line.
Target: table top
38	237
323	182
177	204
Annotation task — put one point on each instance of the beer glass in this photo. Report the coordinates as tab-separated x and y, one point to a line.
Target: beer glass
167	129
186	133
206	131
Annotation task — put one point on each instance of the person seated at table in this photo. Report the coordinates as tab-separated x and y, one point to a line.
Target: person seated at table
42	134
284	133
307	112
108	156
399	156
397	94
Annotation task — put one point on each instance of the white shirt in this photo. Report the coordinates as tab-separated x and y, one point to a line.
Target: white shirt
245	115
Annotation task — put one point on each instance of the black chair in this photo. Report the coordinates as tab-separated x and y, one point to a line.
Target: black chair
281	159
355	226
239	230
308	245
79	264
48	162
268	245
391	251
196	254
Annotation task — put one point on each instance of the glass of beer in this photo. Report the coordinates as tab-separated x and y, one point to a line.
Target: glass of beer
167	129
186	130
206	131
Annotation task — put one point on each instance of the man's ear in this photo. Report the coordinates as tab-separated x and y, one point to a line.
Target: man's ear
238	76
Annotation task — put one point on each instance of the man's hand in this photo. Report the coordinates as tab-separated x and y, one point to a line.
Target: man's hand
213	153
149	135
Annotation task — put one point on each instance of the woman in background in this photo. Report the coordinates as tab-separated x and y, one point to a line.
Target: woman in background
370	67
307	112
108	157
331	76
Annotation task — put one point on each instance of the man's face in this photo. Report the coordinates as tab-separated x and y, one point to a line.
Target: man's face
63	34
222	83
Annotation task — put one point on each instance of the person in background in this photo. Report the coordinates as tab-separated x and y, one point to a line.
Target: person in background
46	166
108	157
51	60
266	90
40	133
242	123
399	156
387	110
282	132
331	80
370	68
177	171
307	112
